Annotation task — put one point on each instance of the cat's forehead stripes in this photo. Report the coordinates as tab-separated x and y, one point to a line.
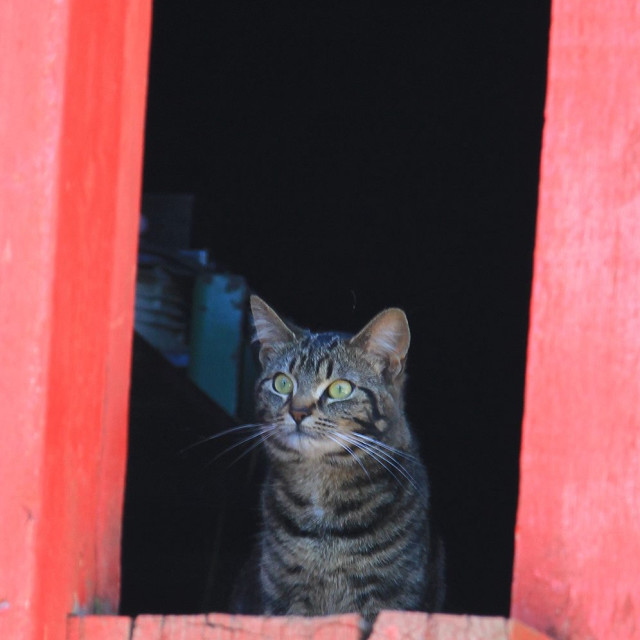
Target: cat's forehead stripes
325	363
325	340
314	354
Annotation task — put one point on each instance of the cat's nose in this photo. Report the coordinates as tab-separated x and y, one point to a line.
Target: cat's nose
299	413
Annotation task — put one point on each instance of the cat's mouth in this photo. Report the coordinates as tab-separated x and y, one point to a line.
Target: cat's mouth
301	440
299	432
305	439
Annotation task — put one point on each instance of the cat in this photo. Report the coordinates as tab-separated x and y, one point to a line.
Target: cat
345	501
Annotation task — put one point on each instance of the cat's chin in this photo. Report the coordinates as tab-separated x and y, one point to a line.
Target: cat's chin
307	443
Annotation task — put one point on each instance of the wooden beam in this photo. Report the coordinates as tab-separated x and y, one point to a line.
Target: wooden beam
71	120
99	628
391	625
221	626
577	564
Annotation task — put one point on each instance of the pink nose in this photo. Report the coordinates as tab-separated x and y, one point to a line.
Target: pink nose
299	413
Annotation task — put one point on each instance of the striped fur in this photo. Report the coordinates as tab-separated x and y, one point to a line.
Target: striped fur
345	504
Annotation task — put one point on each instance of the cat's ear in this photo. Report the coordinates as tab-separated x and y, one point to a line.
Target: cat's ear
271	331
387	336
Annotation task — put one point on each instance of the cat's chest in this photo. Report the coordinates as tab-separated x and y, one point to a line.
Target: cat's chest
316	500
319	500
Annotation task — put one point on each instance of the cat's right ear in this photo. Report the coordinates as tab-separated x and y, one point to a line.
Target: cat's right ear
271	331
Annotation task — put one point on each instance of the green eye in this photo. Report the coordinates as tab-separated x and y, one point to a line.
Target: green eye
283	384
340	389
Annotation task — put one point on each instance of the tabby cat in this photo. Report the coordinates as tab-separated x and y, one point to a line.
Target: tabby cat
345	503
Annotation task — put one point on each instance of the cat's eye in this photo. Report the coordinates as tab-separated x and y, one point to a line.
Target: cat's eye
283	384
340	389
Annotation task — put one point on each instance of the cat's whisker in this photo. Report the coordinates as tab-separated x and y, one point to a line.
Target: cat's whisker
264	429
263	437
375	456
260	430
242	427
382	458
388	452
396	465
383	445
350	451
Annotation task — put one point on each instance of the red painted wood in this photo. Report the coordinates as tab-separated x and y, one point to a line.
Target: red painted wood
520	631
219	626
132	76
73	88
391	625
577	564
99	628
398	625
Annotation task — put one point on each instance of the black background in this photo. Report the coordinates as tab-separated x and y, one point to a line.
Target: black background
350	156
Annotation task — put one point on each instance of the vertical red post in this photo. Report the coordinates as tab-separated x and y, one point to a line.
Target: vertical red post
72	88
577	565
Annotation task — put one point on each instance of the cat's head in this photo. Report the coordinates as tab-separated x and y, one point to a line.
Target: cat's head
325	391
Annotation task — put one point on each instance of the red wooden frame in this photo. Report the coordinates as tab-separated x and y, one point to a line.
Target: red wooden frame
71	120
577	564
390	625
73	92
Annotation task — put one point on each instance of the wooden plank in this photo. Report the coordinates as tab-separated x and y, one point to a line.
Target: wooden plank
220	626
390	625
577	563
71	124
98	628
393	625
520	631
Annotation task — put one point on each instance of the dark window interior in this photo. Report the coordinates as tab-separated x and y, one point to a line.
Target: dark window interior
341	158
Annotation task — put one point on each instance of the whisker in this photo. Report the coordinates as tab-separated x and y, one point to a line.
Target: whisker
267	428
264	436
382	462
382	453
389	448
349	450
242	427
383	458
398	466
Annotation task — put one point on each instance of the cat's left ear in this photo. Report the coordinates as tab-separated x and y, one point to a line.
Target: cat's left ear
387	336
271	331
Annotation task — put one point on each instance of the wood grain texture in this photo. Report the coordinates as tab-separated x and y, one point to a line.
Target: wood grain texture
391	625
577	564
520	631
219	626
71	120
401	625
98	628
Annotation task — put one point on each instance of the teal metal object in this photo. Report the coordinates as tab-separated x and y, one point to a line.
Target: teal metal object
218	341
